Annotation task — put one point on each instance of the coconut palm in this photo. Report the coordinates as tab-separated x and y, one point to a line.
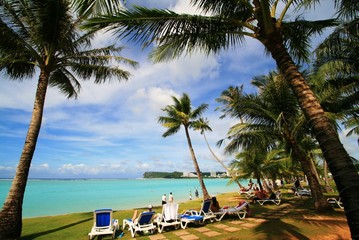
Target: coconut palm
224	24
249	163
337	74
274	114
41	38
203	126
181	114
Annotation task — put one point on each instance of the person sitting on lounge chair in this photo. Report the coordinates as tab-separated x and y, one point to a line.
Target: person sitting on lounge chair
259	194
215	205
241	210
135	214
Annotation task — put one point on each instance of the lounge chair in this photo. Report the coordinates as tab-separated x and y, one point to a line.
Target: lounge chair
302	192
275	200
144	222
103	223
240	211
193	216
169	217
335	201
247	193
206	211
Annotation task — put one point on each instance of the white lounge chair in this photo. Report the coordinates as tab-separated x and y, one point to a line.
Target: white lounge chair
103	223
335	201
169	217
240	211
247	193
302	192
276	200
143	223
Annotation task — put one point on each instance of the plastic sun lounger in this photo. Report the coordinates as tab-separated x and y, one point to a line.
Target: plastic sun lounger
206	211
303	192
335	201
248	194
240	211
198	217
169	217
276	201
143	223
190	217
103	223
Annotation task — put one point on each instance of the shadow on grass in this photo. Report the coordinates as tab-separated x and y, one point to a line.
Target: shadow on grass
35	235
277	229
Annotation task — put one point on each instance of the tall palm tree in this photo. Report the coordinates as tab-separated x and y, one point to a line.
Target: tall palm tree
181	114
203	126
41	37
274	115
337	74
224	24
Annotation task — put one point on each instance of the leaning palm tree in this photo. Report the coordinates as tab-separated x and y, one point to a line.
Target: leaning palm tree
274	114
224	24
181	114
41	37
203	126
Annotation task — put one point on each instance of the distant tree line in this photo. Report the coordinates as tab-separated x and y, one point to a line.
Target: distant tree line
173	174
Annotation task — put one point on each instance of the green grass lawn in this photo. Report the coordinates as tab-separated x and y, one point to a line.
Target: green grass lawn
295	218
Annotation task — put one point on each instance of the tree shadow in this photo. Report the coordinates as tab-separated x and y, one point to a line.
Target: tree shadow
34	235
277	229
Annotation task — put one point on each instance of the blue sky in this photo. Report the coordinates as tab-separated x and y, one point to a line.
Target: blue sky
111	130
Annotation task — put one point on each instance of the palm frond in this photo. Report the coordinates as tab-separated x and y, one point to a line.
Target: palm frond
297	35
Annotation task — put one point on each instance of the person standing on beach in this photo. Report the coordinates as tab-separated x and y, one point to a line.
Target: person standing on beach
196	193
164	199
170	198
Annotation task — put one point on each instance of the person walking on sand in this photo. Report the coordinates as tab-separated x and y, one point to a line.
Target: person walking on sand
164	199
170	198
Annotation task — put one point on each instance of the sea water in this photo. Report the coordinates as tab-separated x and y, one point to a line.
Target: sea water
48	197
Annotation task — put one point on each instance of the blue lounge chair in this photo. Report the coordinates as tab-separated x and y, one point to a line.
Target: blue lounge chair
144	222
198	217
206	211
190	217
103	223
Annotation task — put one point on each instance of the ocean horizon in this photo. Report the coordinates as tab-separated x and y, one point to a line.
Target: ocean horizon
49	197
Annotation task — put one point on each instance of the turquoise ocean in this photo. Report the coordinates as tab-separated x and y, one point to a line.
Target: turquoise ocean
49	197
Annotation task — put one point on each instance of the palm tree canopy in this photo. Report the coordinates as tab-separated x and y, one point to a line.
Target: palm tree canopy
223	25
43	34
86	8
203	125
180	113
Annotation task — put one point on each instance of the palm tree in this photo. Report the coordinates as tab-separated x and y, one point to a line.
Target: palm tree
41	37
273	116
181	114
224	24
336	74
203	125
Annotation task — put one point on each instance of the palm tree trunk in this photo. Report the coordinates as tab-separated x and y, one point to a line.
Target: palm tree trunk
198	171
222	164
326	180
11	213
320	202
345	175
